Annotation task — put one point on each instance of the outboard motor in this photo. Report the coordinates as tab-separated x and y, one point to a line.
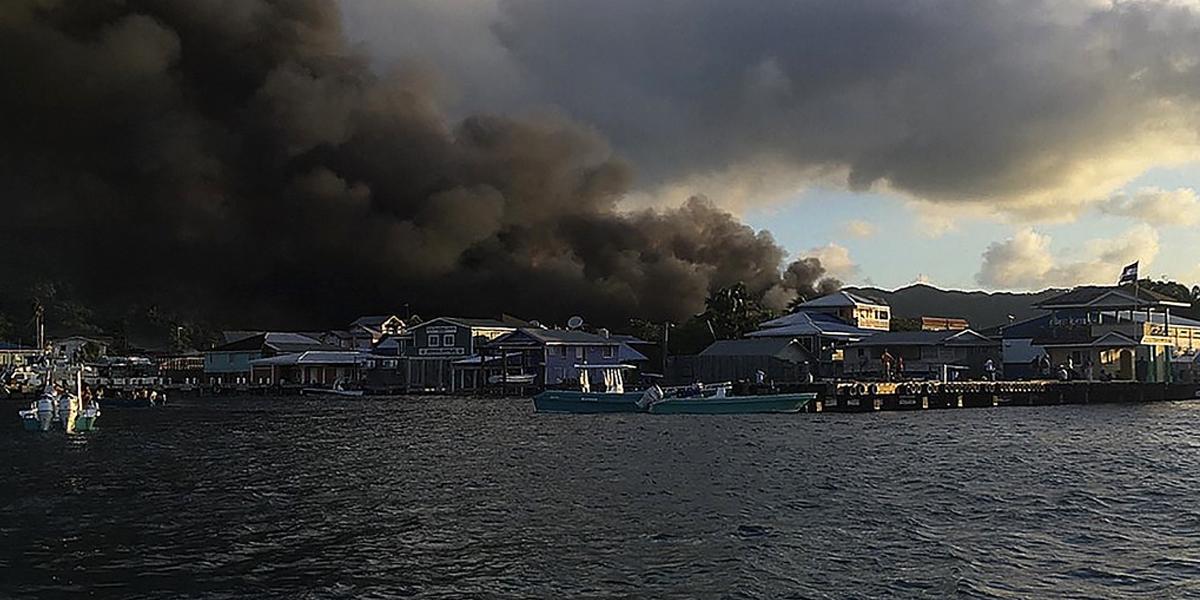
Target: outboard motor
45	410
652	396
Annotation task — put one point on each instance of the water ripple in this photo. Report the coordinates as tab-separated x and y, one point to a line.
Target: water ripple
451	498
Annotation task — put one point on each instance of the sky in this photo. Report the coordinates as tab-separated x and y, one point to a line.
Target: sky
1003	145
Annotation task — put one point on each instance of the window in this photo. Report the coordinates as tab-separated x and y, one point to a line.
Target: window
610	351
434	340
448	340
579	352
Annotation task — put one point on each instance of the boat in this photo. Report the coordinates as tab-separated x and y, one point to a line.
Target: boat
612	399
58	408
732	405
701	399
337	389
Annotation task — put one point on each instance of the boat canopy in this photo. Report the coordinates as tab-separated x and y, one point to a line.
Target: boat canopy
614	381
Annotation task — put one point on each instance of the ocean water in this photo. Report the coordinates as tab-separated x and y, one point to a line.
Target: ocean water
453	498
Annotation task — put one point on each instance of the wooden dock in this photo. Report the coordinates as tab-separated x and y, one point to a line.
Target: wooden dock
933	395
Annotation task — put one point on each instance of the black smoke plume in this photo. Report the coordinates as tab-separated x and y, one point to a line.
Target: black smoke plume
239	160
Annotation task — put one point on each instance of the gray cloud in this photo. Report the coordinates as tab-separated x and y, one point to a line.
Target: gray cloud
1036	107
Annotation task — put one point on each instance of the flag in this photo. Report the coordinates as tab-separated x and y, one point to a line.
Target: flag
1129	274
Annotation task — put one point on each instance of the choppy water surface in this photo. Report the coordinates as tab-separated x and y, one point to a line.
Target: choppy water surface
446	498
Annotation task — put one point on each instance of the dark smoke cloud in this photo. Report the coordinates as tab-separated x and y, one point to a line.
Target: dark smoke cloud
238	158
1034	105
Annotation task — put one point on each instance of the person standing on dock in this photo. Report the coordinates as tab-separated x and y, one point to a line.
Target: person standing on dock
989	368
887	362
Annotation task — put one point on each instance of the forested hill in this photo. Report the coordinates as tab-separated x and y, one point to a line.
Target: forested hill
981	309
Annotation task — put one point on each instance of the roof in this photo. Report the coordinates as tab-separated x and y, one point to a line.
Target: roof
280	341
567	337
314	357
558	336
235	335
961	337
1111	339
841	299
627	353
802	323
14	347
1100	296
773	346
471	322
373	321
631	339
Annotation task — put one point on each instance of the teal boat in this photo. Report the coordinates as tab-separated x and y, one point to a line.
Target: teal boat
732	405
614	398
566	401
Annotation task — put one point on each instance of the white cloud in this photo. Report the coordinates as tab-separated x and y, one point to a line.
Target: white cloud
1157	206
836	260
859	228
1026	261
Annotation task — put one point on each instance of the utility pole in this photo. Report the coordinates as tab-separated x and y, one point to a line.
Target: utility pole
666	346
39	314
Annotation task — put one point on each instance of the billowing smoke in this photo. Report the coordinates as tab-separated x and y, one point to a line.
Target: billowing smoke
239	159
1035	108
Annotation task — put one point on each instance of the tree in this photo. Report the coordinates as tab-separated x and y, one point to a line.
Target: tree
732	312
7	329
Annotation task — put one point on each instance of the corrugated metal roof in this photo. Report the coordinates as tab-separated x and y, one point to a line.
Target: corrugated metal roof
749	347
799	324
373	321
314	357
1086	295
964	337
841	299
280	341
470	322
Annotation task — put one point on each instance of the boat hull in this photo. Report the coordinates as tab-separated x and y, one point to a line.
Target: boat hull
564	401
733	405
85	422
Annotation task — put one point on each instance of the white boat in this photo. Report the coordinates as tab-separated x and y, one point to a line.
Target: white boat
59	407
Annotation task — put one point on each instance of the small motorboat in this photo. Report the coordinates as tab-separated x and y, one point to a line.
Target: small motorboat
585	400
732	405
338	388
57	408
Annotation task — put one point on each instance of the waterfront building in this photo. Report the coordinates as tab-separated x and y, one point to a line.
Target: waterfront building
310	367
853	308
364	333
12	355
548	357
943	324
778	359
430	348
824	326
76	347
228	365
1107	332
182	371
924	354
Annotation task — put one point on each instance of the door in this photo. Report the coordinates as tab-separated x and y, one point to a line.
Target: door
1125	362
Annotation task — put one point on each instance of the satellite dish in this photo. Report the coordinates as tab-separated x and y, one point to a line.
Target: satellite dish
575	322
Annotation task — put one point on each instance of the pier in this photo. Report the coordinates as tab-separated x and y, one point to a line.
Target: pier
933	395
